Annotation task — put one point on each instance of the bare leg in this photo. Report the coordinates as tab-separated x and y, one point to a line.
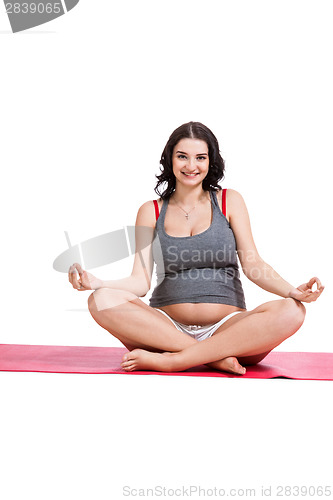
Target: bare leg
138	325
259	332
123	315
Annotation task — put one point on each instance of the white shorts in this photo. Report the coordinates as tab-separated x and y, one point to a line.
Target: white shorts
199	332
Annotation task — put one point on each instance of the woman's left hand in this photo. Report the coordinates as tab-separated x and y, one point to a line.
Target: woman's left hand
304	292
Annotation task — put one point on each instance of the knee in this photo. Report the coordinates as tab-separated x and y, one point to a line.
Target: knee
91	302
294	312
99	299
107	299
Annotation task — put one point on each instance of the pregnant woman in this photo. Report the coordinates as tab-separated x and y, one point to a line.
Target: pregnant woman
197	311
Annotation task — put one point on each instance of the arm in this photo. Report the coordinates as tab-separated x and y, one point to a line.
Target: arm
254	267
139	282
130	284
263	275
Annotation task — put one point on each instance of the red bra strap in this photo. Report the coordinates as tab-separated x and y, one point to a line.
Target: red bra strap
224	202
156	209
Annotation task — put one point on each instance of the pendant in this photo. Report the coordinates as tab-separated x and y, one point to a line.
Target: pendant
186	216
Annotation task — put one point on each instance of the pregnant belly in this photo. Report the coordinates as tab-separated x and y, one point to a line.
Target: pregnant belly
199	314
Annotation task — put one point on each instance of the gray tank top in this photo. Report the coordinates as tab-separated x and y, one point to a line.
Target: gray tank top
199	268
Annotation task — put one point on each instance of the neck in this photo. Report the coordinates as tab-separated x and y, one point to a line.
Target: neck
189	196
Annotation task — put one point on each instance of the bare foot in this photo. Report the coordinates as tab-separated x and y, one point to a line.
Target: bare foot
140	359
229	364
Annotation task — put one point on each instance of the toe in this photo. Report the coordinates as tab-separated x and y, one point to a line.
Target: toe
126	367
238	368
126	364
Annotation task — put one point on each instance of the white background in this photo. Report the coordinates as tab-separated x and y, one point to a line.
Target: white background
88	102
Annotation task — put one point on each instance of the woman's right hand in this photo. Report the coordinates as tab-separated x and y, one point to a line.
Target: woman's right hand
87	281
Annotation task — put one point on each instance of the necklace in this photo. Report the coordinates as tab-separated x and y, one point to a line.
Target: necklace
187	213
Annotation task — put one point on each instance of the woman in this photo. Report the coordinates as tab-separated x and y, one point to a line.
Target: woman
197	312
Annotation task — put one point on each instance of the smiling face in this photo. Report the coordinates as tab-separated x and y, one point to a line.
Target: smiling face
190	161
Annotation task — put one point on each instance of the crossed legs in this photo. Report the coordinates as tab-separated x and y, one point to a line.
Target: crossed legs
138	325
156	344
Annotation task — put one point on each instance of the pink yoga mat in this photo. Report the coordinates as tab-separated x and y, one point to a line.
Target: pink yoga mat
71	359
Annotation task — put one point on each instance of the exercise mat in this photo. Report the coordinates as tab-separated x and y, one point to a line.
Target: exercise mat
84	359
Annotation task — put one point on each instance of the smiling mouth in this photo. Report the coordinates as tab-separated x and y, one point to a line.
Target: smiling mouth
190	175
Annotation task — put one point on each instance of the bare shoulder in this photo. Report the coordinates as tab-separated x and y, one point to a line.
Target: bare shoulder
146	213
233	194
233	199
234	202
241	227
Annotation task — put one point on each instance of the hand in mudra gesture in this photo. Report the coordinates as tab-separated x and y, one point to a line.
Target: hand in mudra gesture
304	293
87	281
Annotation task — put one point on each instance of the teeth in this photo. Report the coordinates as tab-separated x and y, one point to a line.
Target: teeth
189	175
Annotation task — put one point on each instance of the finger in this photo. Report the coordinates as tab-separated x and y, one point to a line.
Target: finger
316	292
75	282
69	274
318	283
73	277
80	271
79	268
306	296
314	296
315	280
310	283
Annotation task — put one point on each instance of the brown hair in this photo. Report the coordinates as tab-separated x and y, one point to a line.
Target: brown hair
191	130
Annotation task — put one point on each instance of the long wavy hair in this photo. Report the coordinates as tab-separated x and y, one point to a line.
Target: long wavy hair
191	130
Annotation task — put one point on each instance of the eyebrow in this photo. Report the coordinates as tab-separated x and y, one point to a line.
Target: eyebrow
199	154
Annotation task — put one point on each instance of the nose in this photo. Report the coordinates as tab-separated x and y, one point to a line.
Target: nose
191	165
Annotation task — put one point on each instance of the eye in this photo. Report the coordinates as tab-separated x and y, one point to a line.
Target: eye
199	157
